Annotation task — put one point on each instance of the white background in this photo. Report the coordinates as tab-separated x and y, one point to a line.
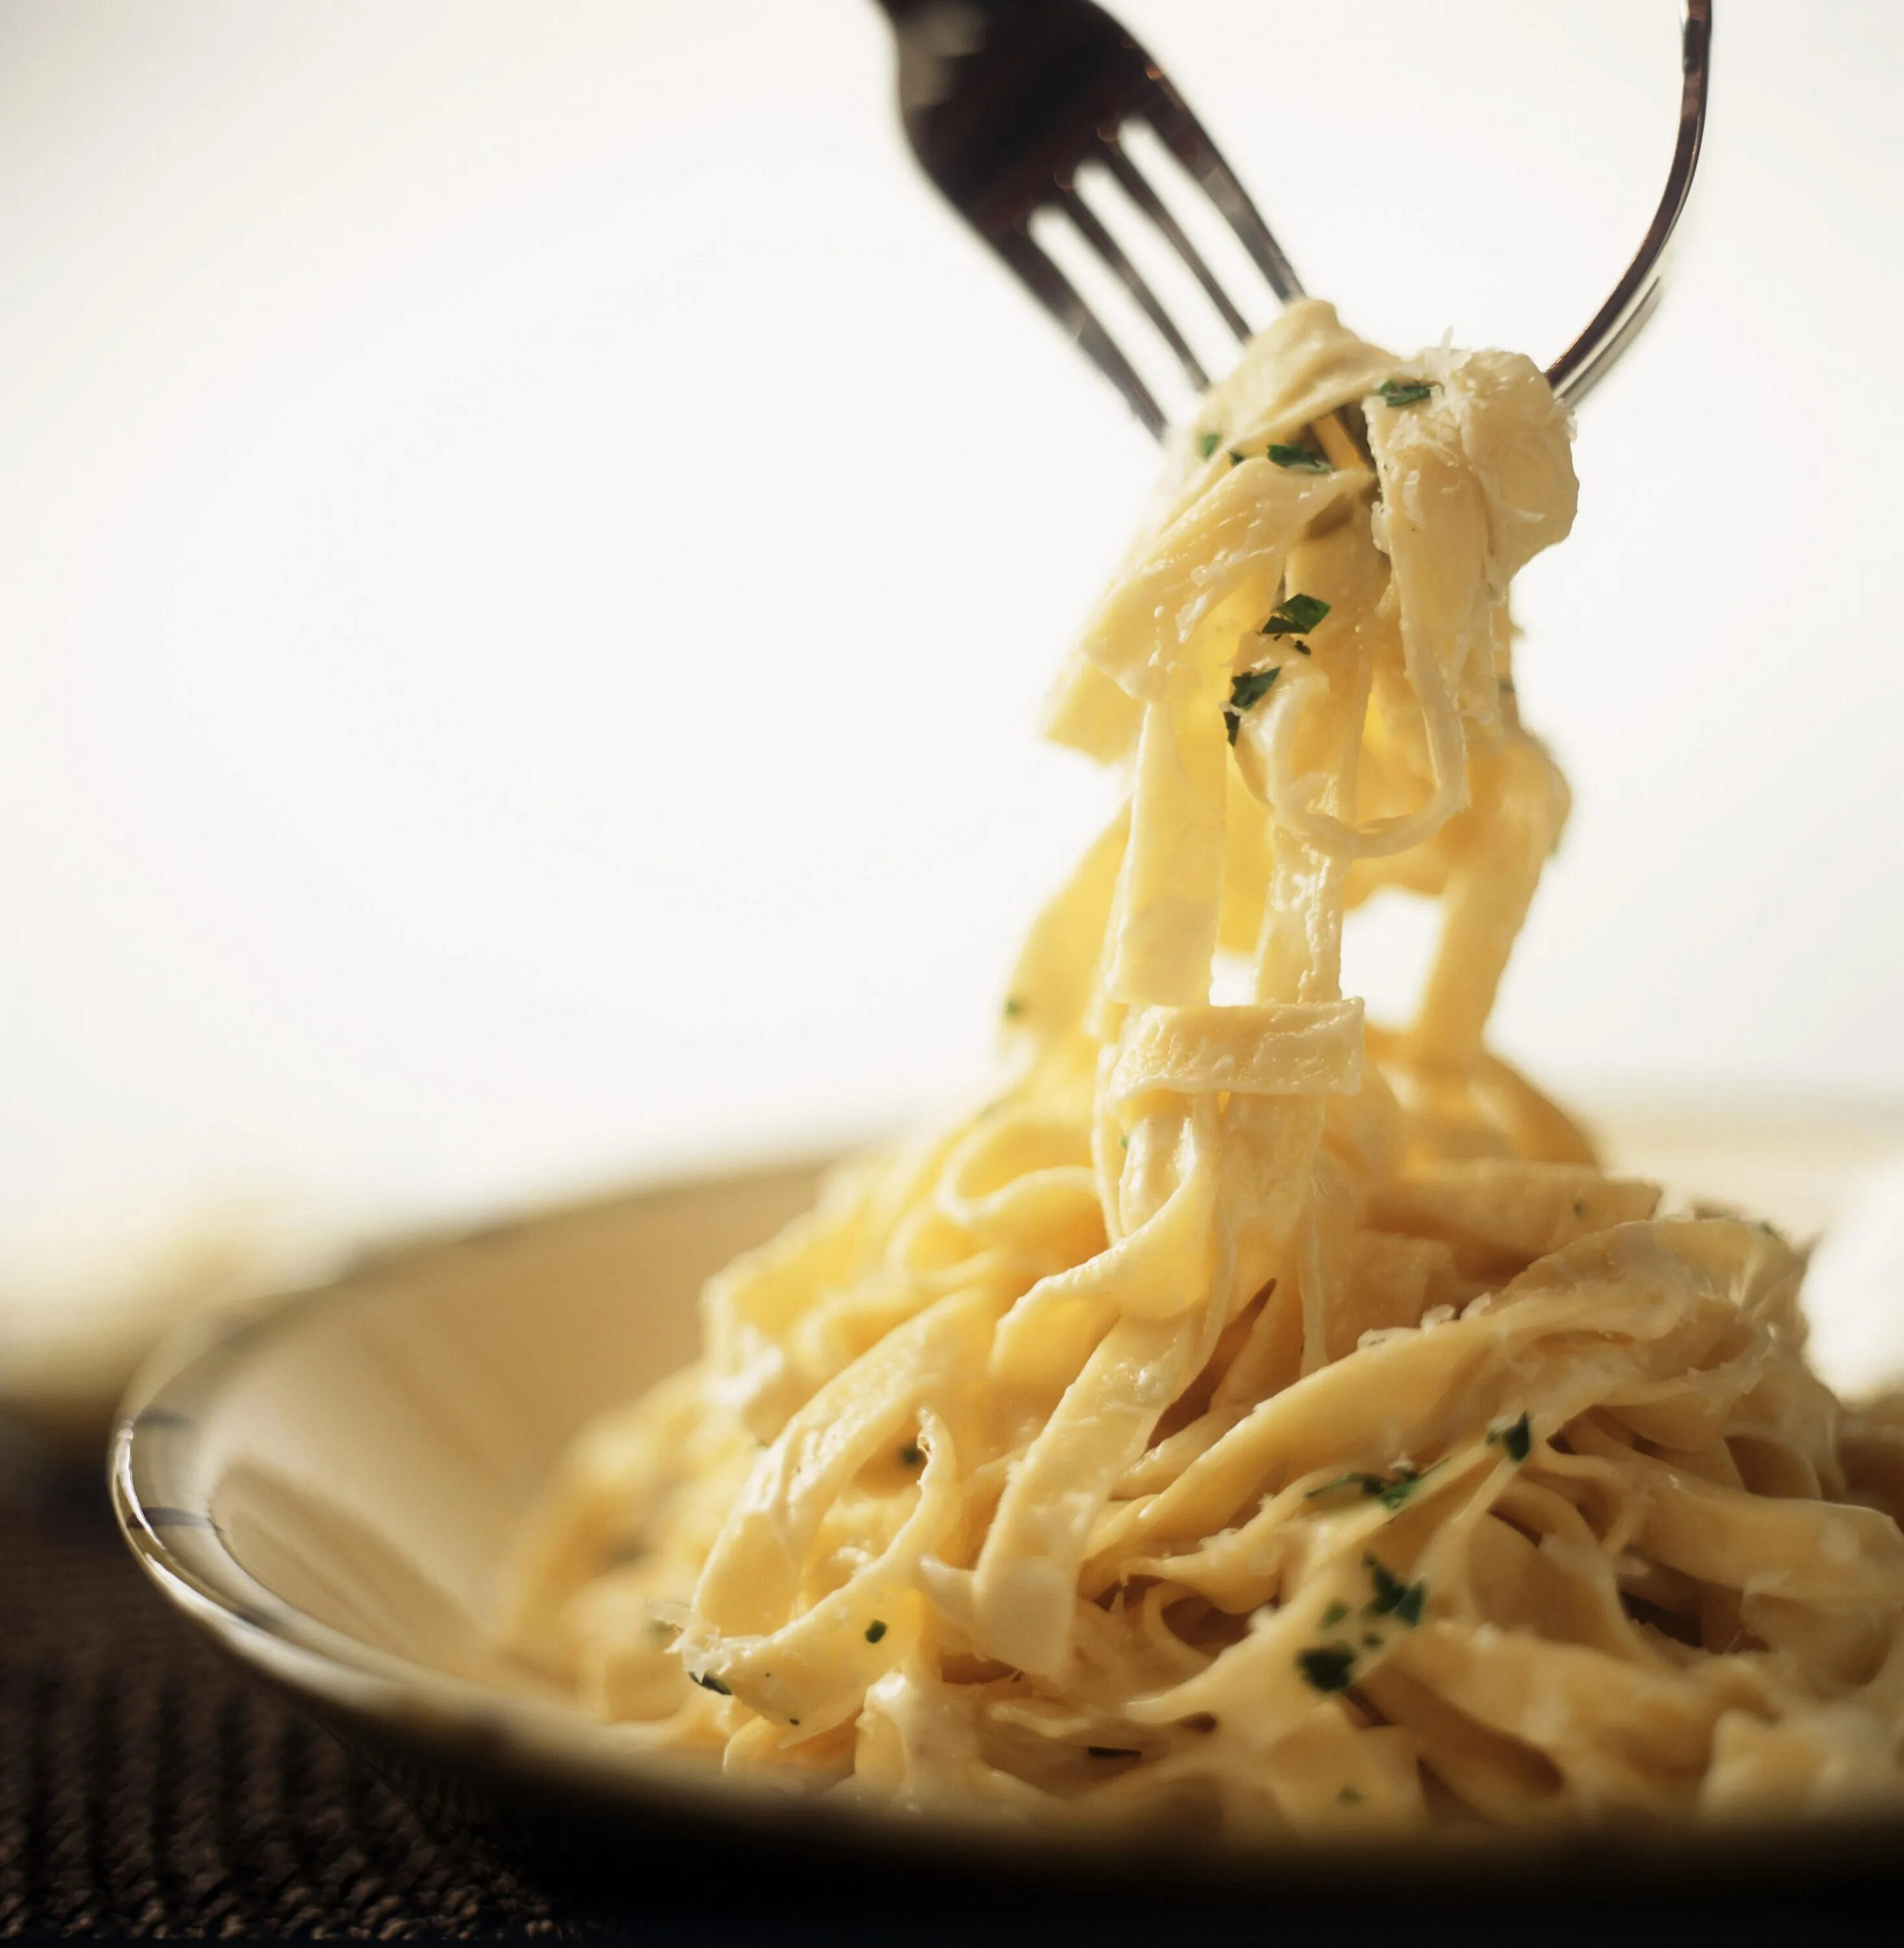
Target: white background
530	546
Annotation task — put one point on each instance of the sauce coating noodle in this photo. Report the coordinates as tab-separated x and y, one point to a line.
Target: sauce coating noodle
1253	1415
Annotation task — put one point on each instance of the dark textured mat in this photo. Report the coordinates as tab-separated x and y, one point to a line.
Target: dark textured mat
149	1787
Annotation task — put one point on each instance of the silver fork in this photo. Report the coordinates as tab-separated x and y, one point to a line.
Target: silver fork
1005	100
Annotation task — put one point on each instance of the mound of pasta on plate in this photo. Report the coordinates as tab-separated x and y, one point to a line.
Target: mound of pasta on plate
1255	1416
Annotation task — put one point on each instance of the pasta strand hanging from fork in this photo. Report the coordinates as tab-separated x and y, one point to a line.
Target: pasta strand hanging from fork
1256	1414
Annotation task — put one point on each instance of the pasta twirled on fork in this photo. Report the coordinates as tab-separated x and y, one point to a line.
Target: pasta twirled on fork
1253	1413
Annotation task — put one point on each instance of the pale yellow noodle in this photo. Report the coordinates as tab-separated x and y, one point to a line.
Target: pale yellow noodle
1254	1415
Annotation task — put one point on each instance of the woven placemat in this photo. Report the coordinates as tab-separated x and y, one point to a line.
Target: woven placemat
148	1786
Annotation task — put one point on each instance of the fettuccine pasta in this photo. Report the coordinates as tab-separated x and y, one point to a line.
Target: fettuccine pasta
1255	1416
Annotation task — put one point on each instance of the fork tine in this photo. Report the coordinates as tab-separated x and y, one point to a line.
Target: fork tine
1183	135
1091	227
1054	290
1137	186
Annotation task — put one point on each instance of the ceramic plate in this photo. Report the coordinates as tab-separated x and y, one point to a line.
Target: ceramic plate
330	1483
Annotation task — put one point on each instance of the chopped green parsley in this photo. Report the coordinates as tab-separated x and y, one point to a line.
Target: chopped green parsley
1404	392
1298	459
1393	1597
1401	1485
1327	1668
1245	692
1349	1796
1334	1614
713	1684
1014	1007
1391	1490
875	1630
1207	443
1517	1437
1369	1484
1295	616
